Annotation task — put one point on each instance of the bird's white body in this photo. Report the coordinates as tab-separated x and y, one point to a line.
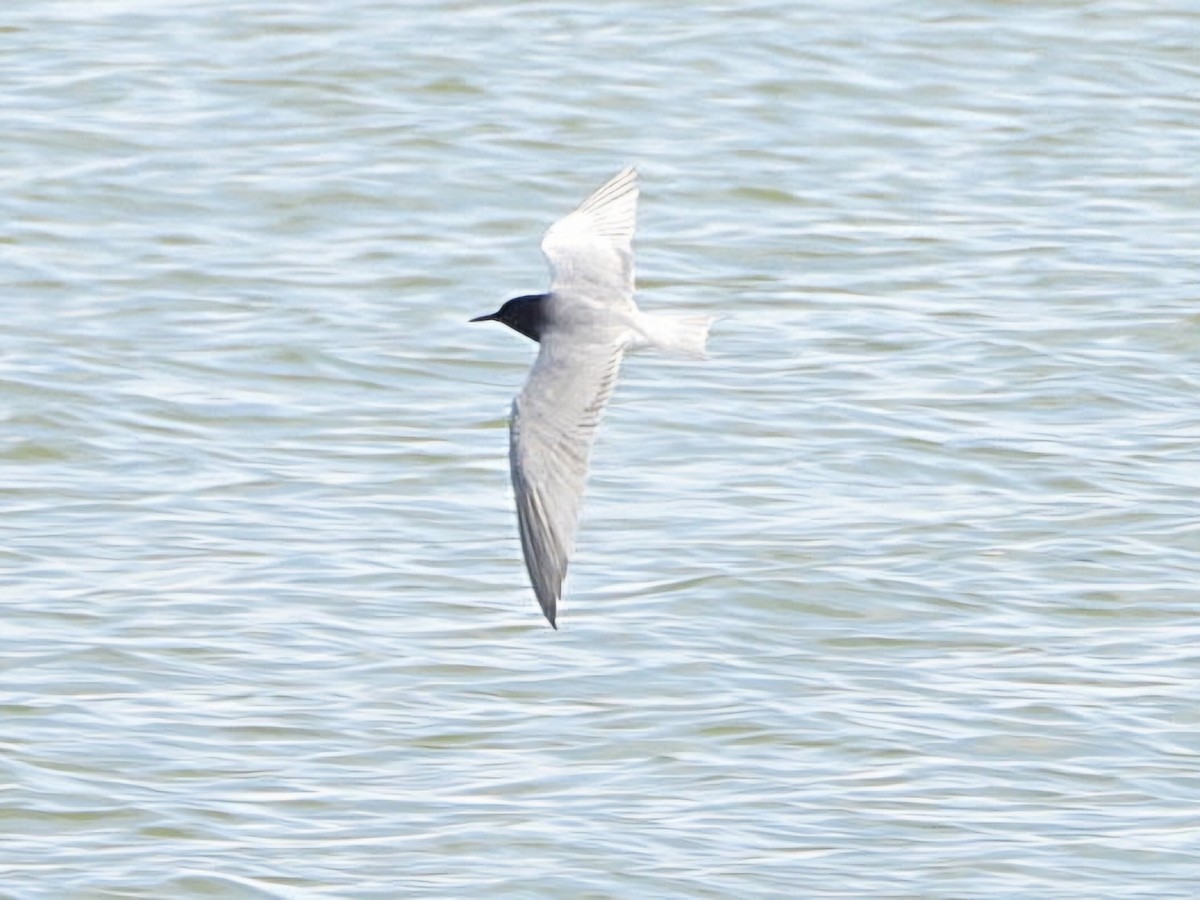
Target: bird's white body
590	321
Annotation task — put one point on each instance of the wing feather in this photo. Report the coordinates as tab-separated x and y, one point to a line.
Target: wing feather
590	251
554	421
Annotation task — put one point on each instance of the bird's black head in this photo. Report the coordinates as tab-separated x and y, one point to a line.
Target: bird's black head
525	314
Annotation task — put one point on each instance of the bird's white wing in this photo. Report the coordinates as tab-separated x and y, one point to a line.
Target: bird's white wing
591	251
554	421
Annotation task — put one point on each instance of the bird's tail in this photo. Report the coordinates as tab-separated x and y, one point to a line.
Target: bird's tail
677	334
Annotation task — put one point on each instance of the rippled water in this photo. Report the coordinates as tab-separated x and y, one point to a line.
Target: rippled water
897	595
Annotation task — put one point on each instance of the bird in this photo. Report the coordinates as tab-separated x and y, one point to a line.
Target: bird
583	325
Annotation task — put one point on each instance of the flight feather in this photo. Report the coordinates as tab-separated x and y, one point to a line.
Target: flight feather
590	251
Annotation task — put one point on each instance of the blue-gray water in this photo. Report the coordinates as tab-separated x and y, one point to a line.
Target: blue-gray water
897	595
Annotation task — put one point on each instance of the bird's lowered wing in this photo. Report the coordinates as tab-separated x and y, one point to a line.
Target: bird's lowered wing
554	421
590	251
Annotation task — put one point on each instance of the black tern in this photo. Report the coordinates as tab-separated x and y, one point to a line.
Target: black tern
583	326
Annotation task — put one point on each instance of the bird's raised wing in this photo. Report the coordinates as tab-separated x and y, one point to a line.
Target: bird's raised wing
554	421
591	251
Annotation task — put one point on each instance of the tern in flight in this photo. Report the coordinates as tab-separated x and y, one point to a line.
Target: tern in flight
584	325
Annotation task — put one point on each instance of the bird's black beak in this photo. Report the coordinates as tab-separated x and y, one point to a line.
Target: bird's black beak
488	318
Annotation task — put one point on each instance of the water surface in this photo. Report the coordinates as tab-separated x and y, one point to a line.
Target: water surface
894	596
